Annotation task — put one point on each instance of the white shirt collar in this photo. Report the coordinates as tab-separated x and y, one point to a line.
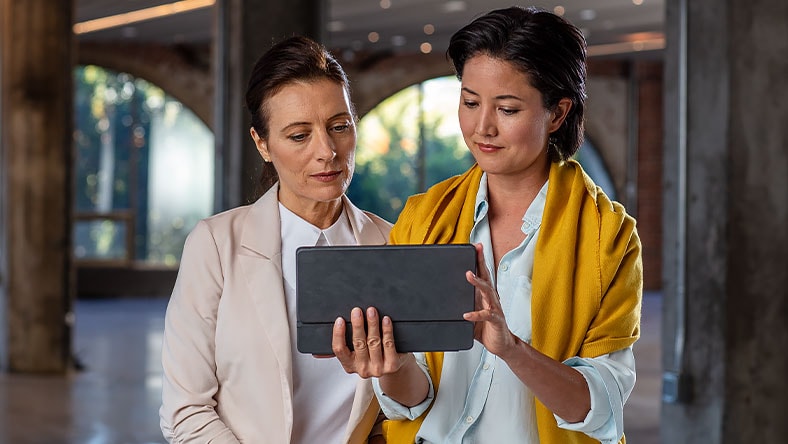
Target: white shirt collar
297	232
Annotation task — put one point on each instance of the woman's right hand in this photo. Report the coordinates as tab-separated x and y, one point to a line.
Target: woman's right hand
399	374
372	355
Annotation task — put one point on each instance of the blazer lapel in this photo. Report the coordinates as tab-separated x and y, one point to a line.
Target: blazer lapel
364	229
261	260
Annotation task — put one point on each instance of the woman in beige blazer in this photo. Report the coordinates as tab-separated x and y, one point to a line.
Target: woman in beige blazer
231	370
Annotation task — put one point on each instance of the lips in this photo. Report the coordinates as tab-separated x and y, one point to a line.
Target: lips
326	176
487	148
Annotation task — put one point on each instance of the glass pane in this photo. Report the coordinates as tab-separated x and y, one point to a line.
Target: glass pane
407	143
139	149
180	181
110	125
100	239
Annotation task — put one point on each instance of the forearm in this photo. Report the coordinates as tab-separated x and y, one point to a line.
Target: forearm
562	389
408	386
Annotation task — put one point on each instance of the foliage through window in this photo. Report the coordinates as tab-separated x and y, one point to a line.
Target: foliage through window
143	170
409	142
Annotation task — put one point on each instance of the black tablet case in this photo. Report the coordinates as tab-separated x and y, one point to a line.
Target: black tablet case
421	287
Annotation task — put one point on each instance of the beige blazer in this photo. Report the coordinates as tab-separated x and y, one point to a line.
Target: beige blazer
226	352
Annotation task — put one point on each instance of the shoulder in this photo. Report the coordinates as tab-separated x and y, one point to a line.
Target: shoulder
369	227
455	187
223	224
383	225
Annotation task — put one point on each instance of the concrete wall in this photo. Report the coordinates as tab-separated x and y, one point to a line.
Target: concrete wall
726	245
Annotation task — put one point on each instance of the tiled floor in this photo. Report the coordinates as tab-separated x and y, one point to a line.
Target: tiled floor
115	400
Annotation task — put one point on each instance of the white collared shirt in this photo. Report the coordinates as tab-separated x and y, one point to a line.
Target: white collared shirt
481	399
322	391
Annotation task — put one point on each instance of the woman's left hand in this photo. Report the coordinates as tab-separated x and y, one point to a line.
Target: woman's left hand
490	326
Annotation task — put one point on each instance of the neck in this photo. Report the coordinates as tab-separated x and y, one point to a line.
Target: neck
512	195
320	214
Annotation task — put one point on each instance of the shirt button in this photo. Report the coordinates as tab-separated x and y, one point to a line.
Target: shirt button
486	366
469	419
504	267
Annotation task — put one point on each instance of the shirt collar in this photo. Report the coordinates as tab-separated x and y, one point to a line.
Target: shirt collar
298	232
533	215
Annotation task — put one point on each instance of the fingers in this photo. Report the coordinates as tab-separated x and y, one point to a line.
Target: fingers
359	336
374	352
390	356
481	265
373	342
339	346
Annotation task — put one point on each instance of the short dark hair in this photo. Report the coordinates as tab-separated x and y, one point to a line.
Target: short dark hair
547	48
295	59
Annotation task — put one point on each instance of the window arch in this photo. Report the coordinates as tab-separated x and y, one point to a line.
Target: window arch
143	172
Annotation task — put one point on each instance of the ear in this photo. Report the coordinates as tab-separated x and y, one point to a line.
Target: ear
262	145
560	111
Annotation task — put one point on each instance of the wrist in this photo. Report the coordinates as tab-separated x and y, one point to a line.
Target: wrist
513	352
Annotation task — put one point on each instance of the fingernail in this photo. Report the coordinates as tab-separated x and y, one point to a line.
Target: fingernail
339	322
355	313
386	320
370	312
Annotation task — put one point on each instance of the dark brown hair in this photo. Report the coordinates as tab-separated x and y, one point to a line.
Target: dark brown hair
291	60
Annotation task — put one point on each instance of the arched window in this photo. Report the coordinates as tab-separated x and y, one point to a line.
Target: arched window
407	143
412	140
143	171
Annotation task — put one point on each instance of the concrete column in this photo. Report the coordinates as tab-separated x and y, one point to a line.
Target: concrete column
35	184
245	29
725	214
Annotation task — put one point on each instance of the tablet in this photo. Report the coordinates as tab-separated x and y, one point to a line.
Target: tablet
422	288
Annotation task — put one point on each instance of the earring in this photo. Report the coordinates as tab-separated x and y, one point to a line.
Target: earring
552	144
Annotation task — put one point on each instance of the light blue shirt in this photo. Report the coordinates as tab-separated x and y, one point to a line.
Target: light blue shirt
481	399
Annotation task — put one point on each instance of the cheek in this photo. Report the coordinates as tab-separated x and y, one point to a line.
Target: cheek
466	122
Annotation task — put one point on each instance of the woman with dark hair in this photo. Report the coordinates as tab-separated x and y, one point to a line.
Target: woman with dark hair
559	281
232	372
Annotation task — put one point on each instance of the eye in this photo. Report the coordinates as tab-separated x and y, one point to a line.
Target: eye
298	137
470	104
509	111
340	128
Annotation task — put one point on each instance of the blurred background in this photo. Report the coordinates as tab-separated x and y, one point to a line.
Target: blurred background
122	124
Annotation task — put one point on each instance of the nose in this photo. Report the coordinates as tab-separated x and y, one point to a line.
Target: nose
324	146
486	124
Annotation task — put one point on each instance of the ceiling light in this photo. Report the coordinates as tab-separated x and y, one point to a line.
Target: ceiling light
587	14
385	4
140	15
335	26
559	10
637	2
454	6
373	37
425	48
429	29
625	47
398	40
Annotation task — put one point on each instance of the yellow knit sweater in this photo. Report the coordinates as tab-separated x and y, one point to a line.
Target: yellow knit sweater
587	276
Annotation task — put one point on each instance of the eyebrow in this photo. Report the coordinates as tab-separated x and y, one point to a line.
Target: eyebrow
335	116
501	97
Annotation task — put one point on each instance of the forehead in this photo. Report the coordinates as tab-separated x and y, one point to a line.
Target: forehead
308	100
483	70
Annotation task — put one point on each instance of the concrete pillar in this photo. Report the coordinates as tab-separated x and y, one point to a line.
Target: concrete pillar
244	30
725	214
35	184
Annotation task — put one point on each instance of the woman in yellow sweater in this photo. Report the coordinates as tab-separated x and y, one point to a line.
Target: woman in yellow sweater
559	281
